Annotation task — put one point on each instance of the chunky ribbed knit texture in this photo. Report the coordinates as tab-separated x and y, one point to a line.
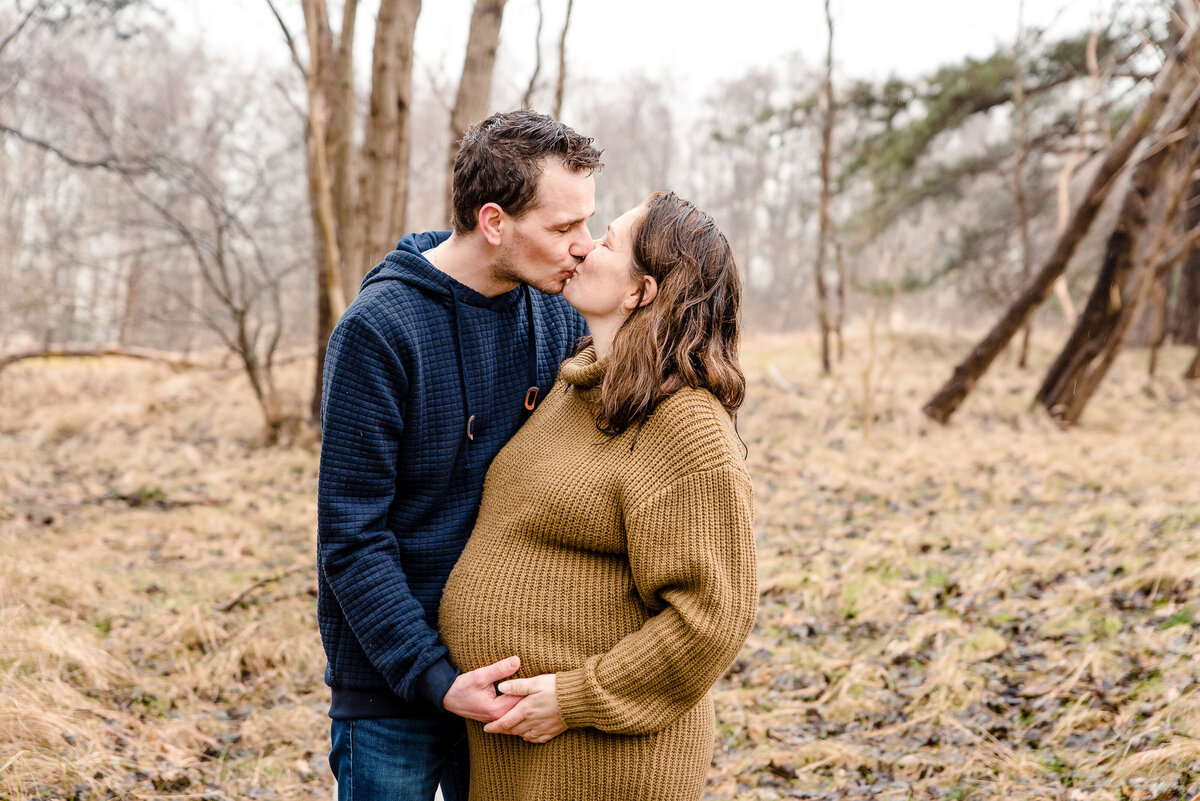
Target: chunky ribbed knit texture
630	574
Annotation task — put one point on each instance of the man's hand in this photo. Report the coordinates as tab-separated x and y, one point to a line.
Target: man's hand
536	719
473	696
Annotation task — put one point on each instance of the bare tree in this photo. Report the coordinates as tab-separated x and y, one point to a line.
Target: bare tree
188	198
1176	70
527	100
561	84
475	85
357	195
1185	316
1125	277
825	104
1018	178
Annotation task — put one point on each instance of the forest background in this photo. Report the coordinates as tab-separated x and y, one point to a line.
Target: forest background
970	587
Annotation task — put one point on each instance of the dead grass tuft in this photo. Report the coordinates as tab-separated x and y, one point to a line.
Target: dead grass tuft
995	609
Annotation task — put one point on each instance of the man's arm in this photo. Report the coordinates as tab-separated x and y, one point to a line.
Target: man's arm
362	420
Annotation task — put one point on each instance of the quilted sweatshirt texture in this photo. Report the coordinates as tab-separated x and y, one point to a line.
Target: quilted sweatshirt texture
416	355
631	574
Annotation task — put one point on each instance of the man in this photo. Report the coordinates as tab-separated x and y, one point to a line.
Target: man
443	354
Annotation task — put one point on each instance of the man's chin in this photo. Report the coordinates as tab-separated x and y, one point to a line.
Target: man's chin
550	287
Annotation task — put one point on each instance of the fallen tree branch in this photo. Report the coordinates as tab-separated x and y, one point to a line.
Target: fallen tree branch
258	585
68	352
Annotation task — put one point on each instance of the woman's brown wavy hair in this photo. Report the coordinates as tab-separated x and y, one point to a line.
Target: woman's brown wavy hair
687	336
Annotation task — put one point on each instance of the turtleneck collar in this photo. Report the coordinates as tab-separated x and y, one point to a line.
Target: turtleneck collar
583	371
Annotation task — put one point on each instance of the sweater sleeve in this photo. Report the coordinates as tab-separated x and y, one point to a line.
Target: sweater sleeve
691	549
362	420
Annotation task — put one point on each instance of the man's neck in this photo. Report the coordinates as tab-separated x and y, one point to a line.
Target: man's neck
470	261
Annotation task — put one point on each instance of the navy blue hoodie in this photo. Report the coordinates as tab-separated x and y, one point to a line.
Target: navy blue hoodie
425	381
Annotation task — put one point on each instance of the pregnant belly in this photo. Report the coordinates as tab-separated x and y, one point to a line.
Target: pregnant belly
552	610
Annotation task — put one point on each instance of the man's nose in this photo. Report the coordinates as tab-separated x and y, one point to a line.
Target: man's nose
582	246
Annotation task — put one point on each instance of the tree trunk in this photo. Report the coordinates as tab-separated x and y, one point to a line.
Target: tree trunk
475	86
560	86
527	100
1158	319
839	316
1193	371
337	86
133	282
1092	346
331	297
383	168
358	200
947	399
1185	317
1018	176
826	109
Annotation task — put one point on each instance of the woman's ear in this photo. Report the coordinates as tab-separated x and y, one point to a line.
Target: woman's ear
491	222
647	290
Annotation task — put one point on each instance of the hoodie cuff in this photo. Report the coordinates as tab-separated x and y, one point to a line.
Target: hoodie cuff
435	681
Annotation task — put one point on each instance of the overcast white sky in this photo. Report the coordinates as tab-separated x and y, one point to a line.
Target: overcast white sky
697	42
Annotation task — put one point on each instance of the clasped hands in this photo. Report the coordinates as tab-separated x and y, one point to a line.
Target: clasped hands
527	708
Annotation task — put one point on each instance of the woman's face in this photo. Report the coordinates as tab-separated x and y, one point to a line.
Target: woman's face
604	285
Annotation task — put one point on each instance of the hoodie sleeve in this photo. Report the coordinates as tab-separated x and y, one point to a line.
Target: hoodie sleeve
362	419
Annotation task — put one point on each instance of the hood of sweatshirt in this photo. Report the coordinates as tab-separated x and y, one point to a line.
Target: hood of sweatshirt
407	263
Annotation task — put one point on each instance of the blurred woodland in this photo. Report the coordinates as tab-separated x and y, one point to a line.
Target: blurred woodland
201	205
1005	607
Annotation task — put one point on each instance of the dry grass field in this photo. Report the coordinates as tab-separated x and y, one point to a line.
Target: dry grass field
996	609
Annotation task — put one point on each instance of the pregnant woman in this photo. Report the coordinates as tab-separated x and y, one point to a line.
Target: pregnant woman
614	551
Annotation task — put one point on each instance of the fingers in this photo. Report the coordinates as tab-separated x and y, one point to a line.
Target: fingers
498	670
506	723
500	707
516	687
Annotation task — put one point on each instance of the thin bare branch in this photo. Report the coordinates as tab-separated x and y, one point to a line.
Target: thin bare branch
8	37
560	87
110	162
527	100
291	42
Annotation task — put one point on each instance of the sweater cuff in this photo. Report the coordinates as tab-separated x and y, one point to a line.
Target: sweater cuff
433	684
570	687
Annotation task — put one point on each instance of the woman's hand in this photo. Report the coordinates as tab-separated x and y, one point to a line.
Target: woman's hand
536	717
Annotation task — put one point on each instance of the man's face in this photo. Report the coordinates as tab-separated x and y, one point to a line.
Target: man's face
544	246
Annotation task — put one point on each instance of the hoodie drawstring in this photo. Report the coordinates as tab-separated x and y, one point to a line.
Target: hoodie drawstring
531	367
531	394
468	431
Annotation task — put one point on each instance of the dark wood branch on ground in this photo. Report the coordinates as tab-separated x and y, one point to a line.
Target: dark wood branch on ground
1193	371
175	360
242	596
1181	63
154	498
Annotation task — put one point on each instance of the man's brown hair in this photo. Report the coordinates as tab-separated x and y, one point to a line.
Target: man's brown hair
501	159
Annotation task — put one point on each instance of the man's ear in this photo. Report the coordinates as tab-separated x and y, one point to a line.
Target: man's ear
649	290
491	221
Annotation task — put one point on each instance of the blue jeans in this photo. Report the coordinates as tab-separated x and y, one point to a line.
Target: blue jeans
400	759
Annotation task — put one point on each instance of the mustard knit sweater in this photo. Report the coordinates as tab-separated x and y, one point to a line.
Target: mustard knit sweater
630	574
